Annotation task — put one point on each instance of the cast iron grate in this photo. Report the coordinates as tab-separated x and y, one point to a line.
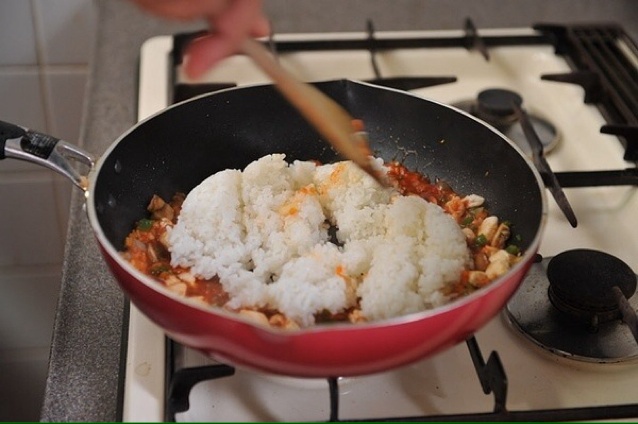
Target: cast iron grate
491	375
605	60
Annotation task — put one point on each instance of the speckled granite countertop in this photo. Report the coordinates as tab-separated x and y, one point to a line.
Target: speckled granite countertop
85	356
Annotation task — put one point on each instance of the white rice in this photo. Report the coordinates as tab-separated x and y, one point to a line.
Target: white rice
264	232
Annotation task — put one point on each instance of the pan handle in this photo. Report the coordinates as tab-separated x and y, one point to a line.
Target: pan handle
21	143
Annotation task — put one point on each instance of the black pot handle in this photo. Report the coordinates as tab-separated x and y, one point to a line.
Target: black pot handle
21	143
9	131
35	143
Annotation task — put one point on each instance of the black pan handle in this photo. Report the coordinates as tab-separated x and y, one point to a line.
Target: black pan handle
8	132
21	143
31	142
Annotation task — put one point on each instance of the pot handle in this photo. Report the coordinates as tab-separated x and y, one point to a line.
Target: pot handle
21	143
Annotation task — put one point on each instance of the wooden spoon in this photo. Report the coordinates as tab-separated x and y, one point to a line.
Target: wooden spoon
330	119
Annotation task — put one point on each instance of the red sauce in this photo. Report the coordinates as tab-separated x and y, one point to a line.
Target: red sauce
410	182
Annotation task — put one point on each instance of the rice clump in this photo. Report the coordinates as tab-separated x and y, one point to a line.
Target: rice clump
264	232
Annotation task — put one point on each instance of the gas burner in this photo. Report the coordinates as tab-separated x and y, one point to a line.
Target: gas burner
582	285
574	305
496	107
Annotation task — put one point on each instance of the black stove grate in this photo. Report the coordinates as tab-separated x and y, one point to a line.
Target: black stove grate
605	60
491	375
603	57
470	40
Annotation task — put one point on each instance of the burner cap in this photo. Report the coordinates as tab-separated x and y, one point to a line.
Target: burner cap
582	281
496	107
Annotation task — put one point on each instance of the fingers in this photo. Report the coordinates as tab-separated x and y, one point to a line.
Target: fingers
231	21
261	27
241	19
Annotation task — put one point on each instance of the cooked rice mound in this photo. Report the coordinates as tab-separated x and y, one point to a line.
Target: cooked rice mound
264	233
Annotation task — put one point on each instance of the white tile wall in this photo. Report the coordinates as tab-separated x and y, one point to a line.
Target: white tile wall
21	94
64	92
21	398
17	44
26	306
63	27
45	47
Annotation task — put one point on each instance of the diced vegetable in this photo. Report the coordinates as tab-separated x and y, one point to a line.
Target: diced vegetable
145	224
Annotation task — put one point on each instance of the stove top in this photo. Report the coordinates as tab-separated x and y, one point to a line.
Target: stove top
583	80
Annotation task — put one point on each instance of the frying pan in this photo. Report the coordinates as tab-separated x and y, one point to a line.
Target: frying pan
180	146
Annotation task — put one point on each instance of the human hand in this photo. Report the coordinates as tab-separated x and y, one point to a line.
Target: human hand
230	23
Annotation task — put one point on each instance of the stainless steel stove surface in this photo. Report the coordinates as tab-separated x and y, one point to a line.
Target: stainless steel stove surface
500	373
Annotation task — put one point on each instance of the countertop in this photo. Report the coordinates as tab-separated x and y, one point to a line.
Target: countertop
85	361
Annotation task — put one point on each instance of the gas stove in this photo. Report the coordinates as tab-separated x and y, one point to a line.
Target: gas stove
579	87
